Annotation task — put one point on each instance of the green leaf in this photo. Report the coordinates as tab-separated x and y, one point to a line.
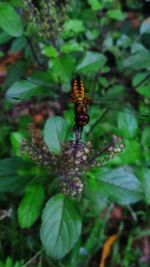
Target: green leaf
145	180
10	180
63	68
119	185
14	73
55	132
71	46
18	44
74	25
139	60
91	62
9	262
16	138
127	123
2	264
22	89
50	51
95	5
145	26
144	89
10	21
116	14
4	38
138	78
30	206
146	136
61	226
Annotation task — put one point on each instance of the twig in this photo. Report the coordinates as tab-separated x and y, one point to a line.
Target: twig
32	259
34	54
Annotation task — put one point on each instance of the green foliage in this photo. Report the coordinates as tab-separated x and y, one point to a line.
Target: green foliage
120	185
30	206
10	179
91	62
107	43
61	226
10	21
54	133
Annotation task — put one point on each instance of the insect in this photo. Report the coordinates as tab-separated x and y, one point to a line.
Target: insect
27	92
80	104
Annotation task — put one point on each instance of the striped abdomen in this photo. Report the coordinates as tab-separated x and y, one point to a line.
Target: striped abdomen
77	88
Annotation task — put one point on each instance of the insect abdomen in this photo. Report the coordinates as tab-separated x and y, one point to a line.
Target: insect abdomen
78	88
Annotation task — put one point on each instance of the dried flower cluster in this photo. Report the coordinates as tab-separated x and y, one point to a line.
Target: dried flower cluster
74	160
46	16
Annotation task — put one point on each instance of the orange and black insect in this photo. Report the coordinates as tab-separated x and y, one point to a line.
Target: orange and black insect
80	104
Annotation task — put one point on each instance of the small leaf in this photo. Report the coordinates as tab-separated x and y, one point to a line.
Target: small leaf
116	14
16	138
119	185
30	206
10	180
139	60
145	26
95	5
10	21
18	44
55	132
71	46
127	123
61	226
63	67
50	51
91	62
144	90
21	89
138	78
74	25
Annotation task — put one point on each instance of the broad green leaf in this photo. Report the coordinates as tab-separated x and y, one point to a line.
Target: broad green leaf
116	14
55	132
61	226
119	185
91	62
10	21
10	180
127	122
30	206
139	60
22	89
95	4
145	26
